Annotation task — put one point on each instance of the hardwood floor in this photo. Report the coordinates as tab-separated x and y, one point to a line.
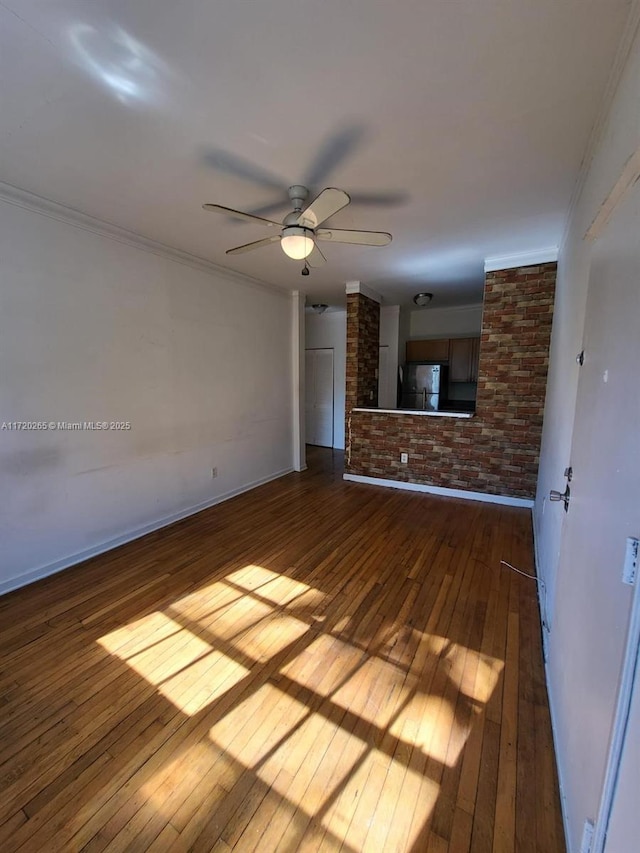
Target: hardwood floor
313	666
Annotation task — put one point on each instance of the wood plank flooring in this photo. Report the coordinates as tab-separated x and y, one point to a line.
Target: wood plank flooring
313	666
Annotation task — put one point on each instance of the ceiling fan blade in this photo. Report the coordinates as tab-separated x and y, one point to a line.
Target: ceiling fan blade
359	238
333	151
283	204
230	164
329	201
316	258
383	199
238	214
249	247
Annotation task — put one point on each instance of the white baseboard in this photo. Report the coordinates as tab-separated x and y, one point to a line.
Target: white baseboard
440	490
542	587
545	651
129	536
554	729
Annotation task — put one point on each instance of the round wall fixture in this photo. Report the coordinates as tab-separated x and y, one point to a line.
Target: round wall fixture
319	307
422	299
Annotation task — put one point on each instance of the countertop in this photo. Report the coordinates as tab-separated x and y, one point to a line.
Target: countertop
421	412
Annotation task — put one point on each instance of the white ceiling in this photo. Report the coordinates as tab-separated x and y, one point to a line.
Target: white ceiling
474	114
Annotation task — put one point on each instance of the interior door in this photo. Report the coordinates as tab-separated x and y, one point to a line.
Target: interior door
319	396
592	605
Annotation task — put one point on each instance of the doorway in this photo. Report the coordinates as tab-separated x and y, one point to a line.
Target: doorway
319	396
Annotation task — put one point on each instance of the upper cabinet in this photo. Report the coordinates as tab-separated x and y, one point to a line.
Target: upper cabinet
463	359
462	354
429	350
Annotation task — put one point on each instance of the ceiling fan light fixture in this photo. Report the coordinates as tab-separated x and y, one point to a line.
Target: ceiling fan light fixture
422	299
297	242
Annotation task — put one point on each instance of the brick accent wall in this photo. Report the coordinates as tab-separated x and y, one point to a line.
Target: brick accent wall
363	341
496	451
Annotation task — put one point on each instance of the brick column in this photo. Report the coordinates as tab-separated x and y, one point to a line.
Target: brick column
514	349
496	451
363	341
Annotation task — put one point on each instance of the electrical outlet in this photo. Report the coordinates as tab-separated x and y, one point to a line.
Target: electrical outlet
404	458
214	473
630	568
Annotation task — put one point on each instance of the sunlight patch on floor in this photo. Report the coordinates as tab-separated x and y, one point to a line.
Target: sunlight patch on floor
303	760
139	635
428	722
373	691
305	667
365	793
261	642
186	670
257	725
207	601
251	577
203	682
283	590
342	732
244	613
475	674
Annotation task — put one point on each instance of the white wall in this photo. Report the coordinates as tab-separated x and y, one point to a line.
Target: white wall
92	329
330	330
465	320
404	333
389	337
618	141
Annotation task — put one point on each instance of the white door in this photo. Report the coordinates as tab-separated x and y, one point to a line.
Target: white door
319	396
592	605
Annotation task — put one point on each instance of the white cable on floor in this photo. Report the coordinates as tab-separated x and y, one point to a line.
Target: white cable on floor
524	574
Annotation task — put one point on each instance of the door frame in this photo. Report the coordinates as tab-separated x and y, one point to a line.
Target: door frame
333	392
630	671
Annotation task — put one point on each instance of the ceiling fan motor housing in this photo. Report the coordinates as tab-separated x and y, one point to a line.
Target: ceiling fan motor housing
297	231
298	195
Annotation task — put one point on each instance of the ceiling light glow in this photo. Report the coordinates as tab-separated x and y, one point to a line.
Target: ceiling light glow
297	242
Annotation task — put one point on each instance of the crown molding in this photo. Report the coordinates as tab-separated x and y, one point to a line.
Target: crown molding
630	174
522	259
70	216
359	287
448	308
599	126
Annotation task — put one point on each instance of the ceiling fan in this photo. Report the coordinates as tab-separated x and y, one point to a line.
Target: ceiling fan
300	230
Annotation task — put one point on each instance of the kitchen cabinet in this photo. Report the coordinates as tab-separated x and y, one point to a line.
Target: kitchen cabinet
463	359
429	350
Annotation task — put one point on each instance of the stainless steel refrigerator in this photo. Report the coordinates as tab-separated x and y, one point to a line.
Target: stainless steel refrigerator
423	386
